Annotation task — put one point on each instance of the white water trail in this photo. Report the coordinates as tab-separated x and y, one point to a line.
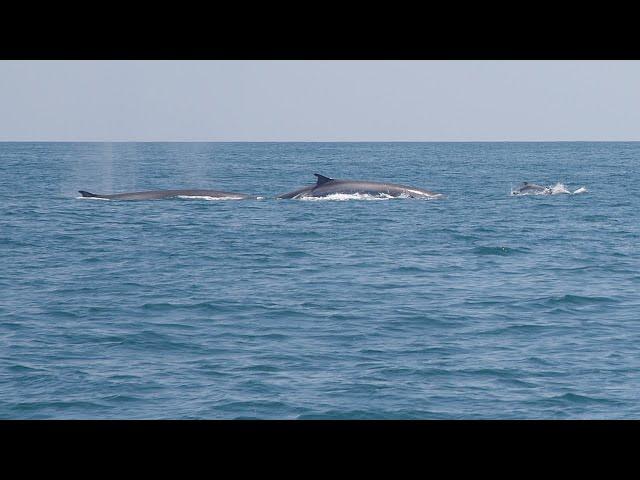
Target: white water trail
342	197
205	197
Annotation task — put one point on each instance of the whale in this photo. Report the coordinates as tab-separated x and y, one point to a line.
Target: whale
326	186
161	194
531	188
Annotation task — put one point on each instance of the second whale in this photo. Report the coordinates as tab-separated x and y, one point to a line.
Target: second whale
326	186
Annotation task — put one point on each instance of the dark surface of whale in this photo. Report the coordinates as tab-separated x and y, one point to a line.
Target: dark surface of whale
160	194
330	186
531	188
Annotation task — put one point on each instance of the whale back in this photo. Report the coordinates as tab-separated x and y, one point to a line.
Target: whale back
87	194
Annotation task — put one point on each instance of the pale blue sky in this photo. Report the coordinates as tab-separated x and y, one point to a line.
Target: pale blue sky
319	100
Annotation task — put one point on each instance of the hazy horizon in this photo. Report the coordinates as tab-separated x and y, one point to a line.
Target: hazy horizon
319	101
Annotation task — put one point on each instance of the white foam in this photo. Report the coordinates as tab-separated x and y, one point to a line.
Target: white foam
341	197
558	189
422	195
205	197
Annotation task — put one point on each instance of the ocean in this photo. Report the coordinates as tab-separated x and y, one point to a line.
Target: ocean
480	305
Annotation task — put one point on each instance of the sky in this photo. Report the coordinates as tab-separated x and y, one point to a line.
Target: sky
319	100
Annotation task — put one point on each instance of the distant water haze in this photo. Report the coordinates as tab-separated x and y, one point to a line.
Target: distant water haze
319	100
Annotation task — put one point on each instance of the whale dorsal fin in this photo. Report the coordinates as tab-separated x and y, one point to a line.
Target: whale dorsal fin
322	179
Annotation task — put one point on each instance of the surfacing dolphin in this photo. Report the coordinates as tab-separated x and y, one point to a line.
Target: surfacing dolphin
160	194
329	186
531	188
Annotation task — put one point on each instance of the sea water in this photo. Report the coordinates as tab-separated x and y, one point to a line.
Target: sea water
481	304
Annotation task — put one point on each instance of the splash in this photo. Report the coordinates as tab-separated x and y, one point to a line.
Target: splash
560	188
341	197
205	197
557	189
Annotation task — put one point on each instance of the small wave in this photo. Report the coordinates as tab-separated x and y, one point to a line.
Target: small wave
23	369
92	198
578	300
364	415
522	329
574	398
296	254
260	368
68	405
121	398
167	306
596	218
251	406
496	251
409	269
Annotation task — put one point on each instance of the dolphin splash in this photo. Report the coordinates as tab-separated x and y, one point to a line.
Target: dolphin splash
326	186
533	189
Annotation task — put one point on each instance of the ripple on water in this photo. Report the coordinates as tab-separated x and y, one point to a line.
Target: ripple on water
499	250
475	306
578	300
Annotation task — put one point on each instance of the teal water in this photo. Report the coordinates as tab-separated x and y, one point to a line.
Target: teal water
480	305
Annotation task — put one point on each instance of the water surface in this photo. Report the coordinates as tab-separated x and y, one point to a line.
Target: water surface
481	305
